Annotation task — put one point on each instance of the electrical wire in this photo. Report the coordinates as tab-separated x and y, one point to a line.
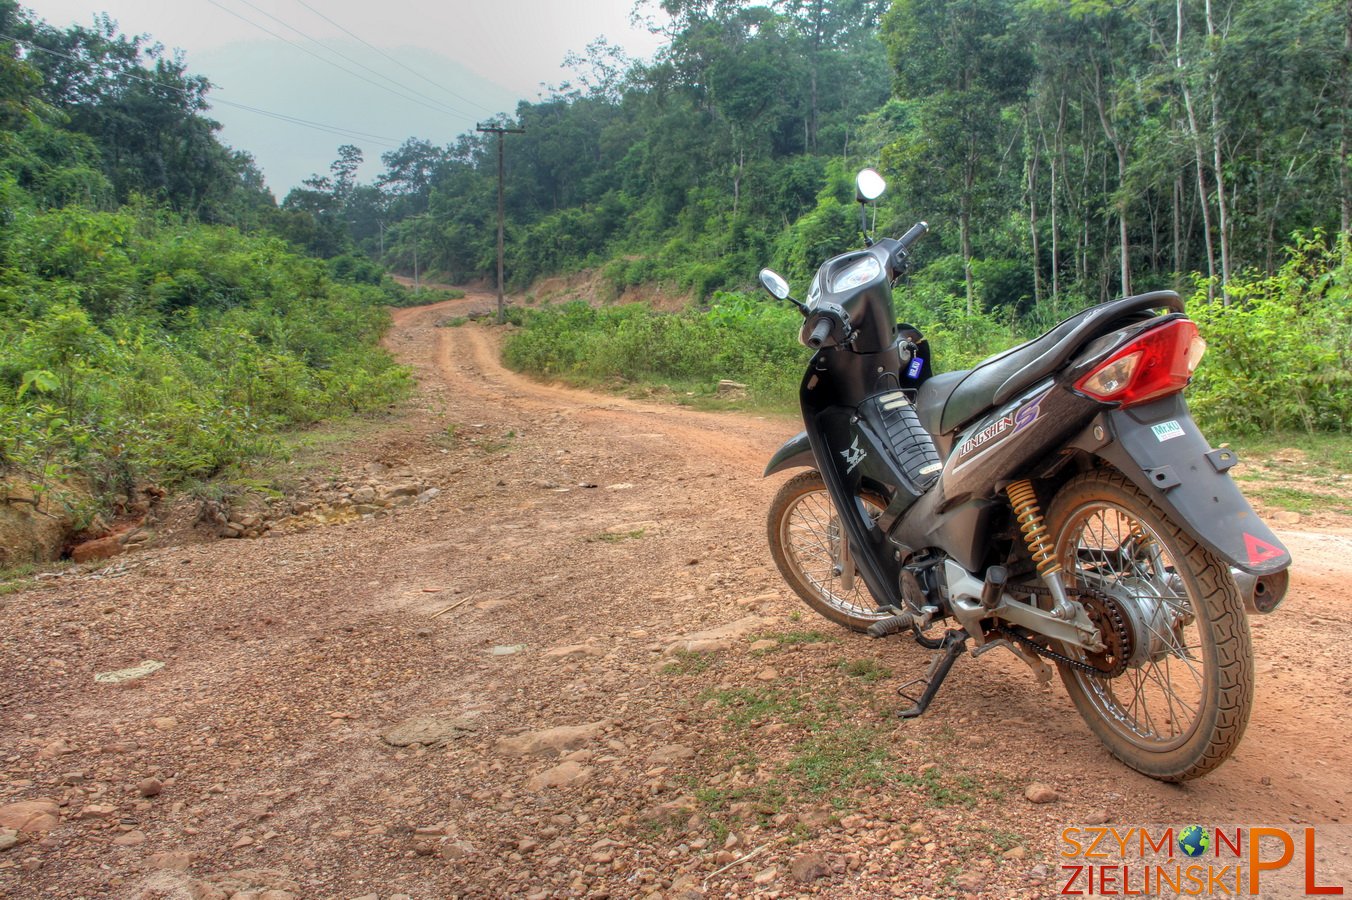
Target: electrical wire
396	61
263	28
443	107
318	126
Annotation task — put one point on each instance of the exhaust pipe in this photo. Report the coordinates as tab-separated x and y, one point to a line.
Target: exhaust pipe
1262	594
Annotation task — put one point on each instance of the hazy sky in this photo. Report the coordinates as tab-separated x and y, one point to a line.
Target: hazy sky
464	61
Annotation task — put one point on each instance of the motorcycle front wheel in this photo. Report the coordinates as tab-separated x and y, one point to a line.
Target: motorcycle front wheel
1181	706
808	544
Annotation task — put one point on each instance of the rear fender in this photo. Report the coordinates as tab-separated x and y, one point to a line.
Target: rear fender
1161	450
795	454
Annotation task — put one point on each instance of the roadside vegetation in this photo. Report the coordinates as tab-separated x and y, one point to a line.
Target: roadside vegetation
1279	356
154	328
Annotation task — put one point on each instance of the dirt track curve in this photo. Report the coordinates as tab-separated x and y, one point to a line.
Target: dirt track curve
576	537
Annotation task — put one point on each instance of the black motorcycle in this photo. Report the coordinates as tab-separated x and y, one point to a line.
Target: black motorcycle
1057	500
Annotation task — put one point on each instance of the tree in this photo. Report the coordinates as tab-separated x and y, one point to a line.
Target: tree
961	64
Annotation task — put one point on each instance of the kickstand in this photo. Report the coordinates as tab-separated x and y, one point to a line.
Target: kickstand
953	644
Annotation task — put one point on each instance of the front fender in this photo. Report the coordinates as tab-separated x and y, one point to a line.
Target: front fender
1160	448
795	454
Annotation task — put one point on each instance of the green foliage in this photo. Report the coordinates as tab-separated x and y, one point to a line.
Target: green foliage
739	337
136	348
1279	356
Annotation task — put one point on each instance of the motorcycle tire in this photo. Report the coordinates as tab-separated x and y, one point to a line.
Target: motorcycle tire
805	541
1181	707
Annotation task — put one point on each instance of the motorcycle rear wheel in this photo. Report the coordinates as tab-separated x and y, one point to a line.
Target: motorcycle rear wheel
806	539
1181	707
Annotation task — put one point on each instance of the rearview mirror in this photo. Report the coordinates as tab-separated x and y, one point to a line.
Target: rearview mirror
775	284
868	185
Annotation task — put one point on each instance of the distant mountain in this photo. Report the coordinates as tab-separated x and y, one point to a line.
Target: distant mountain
282	80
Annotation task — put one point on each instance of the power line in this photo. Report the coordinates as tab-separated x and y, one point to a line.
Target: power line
500	130
444	107
330	62
394	60
337	130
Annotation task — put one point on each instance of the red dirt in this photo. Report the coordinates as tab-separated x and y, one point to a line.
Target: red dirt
601	529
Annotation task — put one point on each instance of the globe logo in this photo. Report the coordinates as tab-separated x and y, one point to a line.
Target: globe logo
1194	840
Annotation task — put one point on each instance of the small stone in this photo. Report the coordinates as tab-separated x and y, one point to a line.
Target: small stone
121	676
173	861
970	881
564	774
150	787
558	740
576	651
243	842
55	749
507	649
671	753
101	548
164	723
765	876
430	730
457	850
1019	852
808	867
9	839
130	839
769	674
764	644
97	811
1097	817
1265	780
1038	792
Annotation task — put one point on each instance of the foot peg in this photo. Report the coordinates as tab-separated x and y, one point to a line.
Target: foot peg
953	644
891	625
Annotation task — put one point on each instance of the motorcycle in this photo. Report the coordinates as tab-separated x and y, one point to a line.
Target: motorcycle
1057	501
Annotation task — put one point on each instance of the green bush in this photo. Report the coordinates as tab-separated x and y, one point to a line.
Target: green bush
740	337
1279	355
134	347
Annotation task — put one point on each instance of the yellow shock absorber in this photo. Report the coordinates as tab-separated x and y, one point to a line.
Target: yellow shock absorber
1024	500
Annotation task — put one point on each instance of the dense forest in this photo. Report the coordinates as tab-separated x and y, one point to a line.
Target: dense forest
1068	150
162	315
155	325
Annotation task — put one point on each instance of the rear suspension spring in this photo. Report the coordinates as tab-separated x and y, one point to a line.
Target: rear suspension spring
1029	515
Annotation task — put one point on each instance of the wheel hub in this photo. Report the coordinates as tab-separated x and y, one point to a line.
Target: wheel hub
1114	625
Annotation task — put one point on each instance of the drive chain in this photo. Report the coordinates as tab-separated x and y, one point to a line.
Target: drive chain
1119	625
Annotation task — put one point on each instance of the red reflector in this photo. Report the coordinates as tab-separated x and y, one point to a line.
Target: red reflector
1157	363
1260	551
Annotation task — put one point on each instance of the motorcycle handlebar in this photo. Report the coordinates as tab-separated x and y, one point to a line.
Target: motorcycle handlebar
819	333
917	231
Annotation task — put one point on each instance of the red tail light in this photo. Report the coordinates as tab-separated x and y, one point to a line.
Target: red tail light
1157	363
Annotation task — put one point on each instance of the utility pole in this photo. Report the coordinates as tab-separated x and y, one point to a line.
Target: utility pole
499	130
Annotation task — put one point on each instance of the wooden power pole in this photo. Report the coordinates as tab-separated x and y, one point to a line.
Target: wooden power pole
499	130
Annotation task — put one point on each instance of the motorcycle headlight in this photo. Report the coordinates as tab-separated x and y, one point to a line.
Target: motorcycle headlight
856	274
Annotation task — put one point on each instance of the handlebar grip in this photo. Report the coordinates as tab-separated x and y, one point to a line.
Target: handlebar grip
819	333
917	231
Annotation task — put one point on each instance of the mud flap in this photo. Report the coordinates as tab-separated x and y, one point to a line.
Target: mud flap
795	454
1160	448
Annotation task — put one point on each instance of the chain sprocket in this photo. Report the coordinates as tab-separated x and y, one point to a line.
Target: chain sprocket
1107	616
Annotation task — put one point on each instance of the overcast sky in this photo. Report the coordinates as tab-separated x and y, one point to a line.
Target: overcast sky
464	61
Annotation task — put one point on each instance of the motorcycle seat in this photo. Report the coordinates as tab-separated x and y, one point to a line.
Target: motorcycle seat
947	402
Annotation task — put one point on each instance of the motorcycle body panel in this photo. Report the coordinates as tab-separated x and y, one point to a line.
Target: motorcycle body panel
795	454
1160	448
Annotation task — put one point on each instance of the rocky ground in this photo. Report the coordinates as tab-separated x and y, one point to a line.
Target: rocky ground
548	656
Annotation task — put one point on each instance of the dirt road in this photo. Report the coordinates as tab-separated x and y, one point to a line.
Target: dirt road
521	619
